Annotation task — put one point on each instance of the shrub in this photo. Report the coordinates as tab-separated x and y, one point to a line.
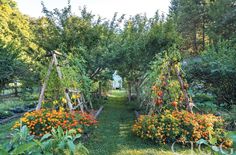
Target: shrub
5	114
216	69
42	121
183	126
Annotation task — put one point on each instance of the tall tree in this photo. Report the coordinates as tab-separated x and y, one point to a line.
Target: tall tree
222	15
16	43
191	18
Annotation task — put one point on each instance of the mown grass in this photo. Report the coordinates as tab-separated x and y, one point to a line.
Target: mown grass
113	135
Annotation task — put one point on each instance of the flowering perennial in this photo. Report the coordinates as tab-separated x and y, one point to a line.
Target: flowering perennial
183	126
42	121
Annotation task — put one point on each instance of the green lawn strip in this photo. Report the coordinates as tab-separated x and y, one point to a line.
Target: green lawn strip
113	134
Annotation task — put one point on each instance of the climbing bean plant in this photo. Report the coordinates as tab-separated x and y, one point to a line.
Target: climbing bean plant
169	89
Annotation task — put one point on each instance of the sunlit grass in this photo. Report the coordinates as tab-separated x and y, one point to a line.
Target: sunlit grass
117	93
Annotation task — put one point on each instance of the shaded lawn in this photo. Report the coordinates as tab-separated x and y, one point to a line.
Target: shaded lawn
113	134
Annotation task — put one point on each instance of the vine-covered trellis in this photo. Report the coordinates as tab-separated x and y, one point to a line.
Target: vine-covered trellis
80	100
170	87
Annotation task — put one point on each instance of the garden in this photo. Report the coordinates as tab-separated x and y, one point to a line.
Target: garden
177	93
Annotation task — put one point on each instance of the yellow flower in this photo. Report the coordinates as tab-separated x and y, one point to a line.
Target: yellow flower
63	100
55	102
61	109
73	96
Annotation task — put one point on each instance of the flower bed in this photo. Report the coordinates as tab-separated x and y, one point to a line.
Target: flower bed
42	121
183	126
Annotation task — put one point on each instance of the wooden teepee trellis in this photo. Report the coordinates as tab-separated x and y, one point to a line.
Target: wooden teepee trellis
54	62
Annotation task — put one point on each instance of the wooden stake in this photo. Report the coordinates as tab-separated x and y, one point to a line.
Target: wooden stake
60	77
44	86
189	108
81	105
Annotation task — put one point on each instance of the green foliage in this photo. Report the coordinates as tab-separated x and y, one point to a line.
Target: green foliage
16	46
84	41
21	142
138	43
55	87
207	107
191	18
167	86
60	142
12	68
200	24
216	68
213	147
222	25
5	114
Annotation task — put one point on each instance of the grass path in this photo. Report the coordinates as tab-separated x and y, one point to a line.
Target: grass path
113	135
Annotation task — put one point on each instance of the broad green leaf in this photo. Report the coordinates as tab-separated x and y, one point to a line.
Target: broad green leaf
213	141
77	136
60	132
202	141
81	148
62	145
71	146
215	148
46	136
21	149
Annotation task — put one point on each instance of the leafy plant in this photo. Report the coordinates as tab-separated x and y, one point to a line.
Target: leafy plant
61	142
56	142
214	148
215	68
169	88
5	114
21	142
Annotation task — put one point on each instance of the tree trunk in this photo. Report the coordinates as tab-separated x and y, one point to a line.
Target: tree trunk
129	91
203	34
137	92
100	89
15	89
195	38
